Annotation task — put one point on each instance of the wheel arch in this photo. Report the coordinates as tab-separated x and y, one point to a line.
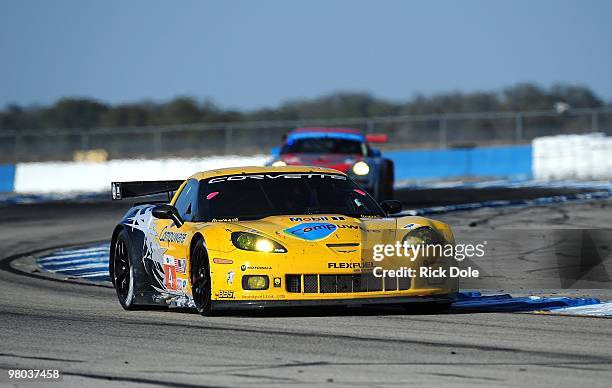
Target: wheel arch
390	170
194	239
111	258
141	281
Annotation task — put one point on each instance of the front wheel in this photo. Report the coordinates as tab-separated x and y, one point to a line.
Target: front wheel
123	272
200	278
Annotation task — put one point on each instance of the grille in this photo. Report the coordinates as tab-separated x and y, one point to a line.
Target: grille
390	283
330	284
403	283
310	284
293	283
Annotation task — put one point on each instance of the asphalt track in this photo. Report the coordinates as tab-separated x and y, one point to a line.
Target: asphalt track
83	331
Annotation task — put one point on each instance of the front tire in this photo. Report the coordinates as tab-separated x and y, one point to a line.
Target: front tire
200	278
123	272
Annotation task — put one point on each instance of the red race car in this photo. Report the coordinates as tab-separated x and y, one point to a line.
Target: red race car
344	149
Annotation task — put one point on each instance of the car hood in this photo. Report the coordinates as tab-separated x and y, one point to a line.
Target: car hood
339	236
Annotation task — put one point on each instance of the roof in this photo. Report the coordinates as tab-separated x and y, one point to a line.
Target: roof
328	130
341	133
262	170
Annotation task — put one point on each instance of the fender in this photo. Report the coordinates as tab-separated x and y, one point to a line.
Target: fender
148	274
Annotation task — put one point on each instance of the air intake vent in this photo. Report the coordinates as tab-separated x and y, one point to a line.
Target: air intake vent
310	284
293	283
332	284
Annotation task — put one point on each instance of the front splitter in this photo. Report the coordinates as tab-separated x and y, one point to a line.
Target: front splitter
257	304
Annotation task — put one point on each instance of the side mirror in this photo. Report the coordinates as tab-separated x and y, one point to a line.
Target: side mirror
391	206
374	153
168	212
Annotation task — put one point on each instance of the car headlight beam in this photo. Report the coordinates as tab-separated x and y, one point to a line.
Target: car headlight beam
264	245
361	168
254	242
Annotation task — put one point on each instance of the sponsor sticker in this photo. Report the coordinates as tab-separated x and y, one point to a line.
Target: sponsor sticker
354	266
245	267
312	231
180	265
173	237
322	218
224	220
277	176
225	294
181	284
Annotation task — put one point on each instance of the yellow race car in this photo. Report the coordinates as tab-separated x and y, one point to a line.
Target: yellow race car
255	237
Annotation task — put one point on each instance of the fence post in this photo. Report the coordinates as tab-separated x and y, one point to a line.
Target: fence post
228	139
18	147
594	121
518	128
369	126
84	140
443	134
157	142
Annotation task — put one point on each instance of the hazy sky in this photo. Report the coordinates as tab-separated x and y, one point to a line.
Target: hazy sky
247	54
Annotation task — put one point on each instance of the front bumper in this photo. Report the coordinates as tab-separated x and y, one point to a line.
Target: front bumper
258	304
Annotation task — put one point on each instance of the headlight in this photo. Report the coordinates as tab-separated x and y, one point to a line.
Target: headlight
424	235
255	282
431	241
253	242
361	168
279	163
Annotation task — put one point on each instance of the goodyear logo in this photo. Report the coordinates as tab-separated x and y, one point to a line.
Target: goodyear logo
312	230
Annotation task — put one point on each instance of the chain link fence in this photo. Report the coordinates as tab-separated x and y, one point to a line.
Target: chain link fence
247	138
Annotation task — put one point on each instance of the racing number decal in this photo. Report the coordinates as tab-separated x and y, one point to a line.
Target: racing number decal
169	273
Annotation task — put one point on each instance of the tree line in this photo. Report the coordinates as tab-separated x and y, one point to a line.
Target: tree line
85	113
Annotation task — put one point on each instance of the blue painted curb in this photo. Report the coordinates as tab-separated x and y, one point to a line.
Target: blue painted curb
91	263
474	301
7	178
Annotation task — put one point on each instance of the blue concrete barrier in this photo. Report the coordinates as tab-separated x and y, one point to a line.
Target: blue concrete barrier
506	162
512	162
7	178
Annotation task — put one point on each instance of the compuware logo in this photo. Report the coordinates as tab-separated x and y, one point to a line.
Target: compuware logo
312	230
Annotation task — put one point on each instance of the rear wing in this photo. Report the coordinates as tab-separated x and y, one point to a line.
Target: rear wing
121	190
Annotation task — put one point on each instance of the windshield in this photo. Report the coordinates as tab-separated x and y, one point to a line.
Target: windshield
255	196
324	145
